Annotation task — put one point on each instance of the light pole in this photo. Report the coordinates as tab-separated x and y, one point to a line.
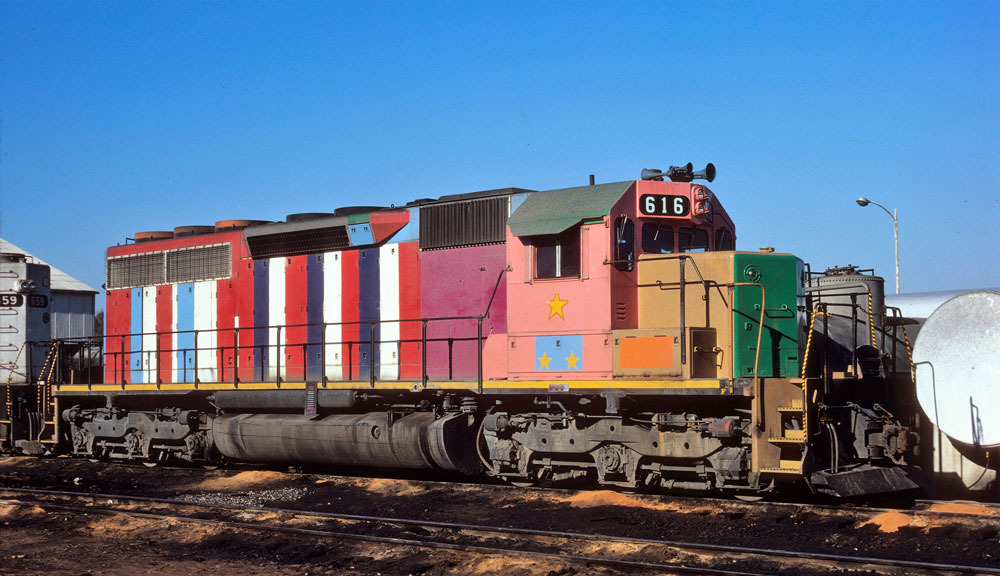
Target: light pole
862	201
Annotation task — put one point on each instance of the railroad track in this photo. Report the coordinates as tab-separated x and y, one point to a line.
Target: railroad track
641	555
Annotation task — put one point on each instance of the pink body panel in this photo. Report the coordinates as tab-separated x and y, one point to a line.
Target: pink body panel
624	310
551	307
459	282
538	309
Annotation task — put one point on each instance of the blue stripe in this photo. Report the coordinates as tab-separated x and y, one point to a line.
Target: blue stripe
368	291
314	316
261	283
135	326
559	353
185	338
412	230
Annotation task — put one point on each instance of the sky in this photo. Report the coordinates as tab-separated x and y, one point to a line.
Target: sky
120	117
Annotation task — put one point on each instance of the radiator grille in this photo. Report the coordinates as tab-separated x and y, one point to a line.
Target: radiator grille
170	267
203	263
299	242
466	223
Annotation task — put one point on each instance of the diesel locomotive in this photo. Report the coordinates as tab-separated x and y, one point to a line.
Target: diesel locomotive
609	333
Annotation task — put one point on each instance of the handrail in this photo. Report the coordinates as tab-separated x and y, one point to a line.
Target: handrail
227	341
495	288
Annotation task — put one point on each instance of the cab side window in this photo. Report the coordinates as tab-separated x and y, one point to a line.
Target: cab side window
624	243
558	256
723	239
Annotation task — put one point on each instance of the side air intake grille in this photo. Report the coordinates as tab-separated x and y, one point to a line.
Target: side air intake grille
170	267
191	265
465	223
293	243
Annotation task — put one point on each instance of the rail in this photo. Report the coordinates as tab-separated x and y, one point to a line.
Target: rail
593	549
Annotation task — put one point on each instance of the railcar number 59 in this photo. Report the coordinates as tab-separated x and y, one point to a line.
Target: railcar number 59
11	300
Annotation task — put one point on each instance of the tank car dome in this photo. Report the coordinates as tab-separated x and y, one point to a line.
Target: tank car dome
957	373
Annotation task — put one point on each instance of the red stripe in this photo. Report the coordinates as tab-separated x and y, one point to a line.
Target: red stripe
225	315
117	312
243	274
296	297
164	329
410	356
350	312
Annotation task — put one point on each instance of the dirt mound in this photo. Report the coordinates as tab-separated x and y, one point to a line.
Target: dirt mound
892	521
240	481
10	512
965	507
593	499
385	486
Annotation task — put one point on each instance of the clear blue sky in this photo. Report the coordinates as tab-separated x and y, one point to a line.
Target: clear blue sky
128	116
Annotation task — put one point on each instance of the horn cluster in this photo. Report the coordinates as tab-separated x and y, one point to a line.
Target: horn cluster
684	173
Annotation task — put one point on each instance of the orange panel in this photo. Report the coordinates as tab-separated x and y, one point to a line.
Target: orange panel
641	353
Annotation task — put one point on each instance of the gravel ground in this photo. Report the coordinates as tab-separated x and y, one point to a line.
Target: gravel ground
892	535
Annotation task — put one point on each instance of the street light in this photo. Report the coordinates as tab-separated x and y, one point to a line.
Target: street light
862	201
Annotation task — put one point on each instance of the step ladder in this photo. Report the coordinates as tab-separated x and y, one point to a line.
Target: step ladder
795	432
46	401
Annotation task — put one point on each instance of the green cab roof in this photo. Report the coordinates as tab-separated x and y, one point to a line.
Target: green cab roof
553	211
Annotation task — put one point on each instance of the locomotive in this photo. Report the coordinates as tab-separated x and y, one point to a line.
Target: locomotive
608	333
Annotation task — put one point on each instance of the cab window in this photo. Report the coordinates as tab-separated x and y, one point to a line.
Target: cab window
624	243
692	240
723	239
657	239
558	256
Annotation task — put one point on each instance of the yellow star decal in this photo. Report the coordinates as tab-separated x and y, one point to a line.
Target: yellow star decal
571	361
544	361
556	306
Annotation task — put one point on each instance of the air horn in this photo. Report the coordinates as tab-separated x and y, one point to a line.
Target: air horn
684	173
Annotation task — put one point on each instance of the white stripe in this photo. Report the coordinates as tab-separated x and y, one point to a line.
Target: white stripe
388	290
275	315
332	312
149	334
204	323
175	372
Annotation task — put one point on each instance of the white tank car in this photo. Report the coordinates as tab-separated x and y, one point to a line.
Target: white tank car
956	358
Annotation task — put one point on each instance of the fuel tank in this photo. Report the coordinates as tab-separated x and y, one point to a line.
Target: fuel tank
377	439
